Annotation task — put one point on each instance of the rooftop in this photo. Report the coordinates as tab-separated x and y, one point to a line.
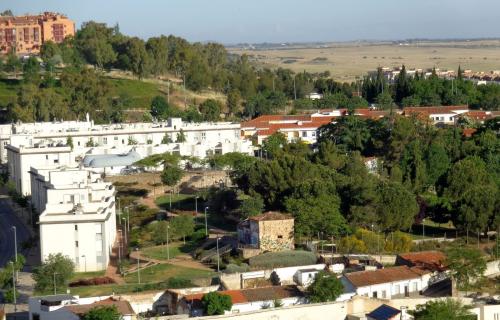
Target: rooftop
253	295
271	216
430	260
384	312
123	307
387	275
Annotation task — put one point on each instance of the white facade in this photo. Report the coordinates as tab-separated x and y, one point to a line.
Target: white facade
35	144
77	206
390	289
21	159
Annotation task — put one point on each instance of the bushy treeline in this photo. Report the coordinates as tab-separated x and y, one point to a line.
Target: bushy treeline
422	172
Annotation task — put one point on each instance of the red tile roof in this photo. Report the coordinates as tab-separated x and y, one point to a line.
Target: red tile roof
268	124
252	295
430	260
433	110
468	132
387	275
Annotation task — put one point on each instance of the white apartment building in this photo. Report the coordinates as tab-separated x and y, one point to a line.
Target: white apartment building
388	283
213	135
36	144
77	215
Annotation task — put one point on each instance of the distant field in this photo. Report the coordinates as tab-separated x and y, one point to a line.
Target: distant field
346	61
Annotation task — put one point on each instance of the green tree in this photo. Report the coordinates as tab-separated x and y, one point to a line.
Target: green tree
93	40
183	226
233	101
384	101
181	137
102	313
171	175
160	108
12	63
449	309
465	264
210	109
396	208
215	303
159	232
49	50
138	58
166	139
325	287
31	70
274	143
252	206
69	142
63	268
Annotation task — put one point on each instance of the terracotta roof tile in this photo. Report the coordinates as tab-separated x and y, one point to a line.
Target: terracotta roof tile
368	278
430	260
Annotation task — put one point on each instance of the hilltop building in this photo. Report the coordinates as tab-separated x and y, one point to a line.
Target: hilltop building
26	34
78	206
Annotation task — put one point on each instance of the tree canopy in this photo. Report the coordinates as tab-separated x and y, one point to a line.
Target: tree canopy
325	287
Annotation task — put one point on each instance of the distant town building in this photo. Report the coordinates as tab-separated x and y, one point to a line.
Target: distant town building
78	206
270	231
26	34
442	115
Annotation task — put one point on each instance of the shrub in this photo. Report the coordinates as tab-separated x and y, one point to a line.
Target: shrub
234	268
282	259
215	303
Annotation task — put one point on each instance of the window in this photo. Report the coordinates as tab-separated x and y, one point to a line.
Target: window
116	138
36	34
304	134
46	157
56	160
384	294
105	140
375	294
203	135
76	244
76	227
78	143
280	237
313	133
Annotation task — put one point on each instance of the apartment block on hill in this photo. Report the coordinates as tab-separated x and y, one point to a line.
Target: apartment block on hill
26	34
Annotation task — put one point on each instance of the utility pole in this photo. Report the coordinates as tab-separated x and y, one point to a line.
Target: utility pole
168	92
85	257
196	204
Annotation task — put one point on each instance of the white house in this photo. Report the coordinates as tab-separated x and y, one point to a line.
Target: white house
246	300
69	307
387	283
443	115
77	206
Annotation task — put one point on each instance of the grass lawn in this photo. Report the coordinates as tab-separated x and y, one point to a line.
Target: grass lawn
162	272
140	93
87	275
179	201
160	252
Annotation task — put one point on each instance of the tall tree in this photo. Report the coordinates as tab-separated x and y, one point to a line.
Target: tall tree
443	309
62	266
465	264
325	287
397	207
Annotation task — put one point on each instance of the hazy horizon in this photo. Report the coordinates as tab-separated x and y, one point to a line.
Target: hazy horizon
276	21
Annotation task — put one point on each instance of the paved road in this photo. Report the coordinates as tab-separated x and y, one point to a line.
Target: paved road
8	219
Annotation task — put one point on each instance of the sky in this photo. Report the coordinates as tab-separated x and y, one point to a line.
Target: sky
277	21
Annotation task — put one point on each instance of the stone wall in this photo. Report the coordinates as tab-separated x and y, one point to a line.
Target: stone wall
276	235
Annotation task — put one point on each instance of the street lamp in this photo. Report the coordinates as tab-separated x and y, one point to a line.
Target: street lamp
170	191
85	257
15	248
55	286
14	286
128	219
206	222
119	247
196	204
168	248
138	266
